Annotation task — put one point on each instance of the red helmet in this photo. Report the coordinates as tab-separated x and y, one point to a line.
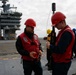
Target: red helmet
57	17
30	22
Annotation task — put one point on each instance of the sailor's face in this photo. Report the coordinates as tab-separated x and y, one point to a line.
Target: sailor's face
30	29
59	26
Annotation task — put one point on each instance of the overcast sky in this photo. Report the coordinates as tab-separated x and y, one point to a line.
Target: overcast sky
40	11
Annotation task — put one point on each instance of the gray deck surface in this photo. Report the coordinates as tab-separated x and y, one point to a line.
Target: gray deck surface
10	61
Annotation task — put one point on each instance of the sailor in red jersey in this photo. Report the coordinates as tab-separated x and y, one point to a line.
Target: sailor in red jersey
29	48
62	50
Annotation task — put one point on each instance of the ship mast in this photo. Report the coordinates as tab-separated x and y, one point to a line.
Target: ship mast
4	4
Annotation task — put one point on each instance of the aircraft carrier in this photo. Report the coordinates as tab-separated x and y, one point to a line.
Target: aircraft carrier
9	21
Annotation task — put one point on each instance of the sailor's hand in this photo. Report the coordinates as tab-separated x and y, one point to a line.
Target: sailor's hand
48	44
33	55
40	52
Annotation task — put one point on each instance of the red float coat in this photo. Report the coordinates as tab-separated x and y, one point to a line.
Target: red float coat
66	56
26	42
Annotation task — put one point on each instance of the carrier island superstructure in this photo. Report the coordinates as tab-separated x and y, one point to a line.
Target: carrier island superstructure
9	21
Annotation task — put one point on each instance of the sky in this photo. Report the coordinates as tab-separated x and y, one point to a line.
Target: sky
41	12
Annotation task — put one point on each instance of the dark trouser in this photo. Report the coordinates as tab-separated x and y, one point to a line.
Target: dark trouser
49	59
61	68
75	52
34	66
48	55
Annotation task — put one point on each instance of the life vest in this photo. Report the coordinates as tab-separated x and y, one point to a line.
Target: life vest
26	42
65	57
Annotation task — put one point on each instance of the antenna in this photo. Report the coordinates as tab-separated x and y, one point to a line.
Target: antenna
6	6
4	1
